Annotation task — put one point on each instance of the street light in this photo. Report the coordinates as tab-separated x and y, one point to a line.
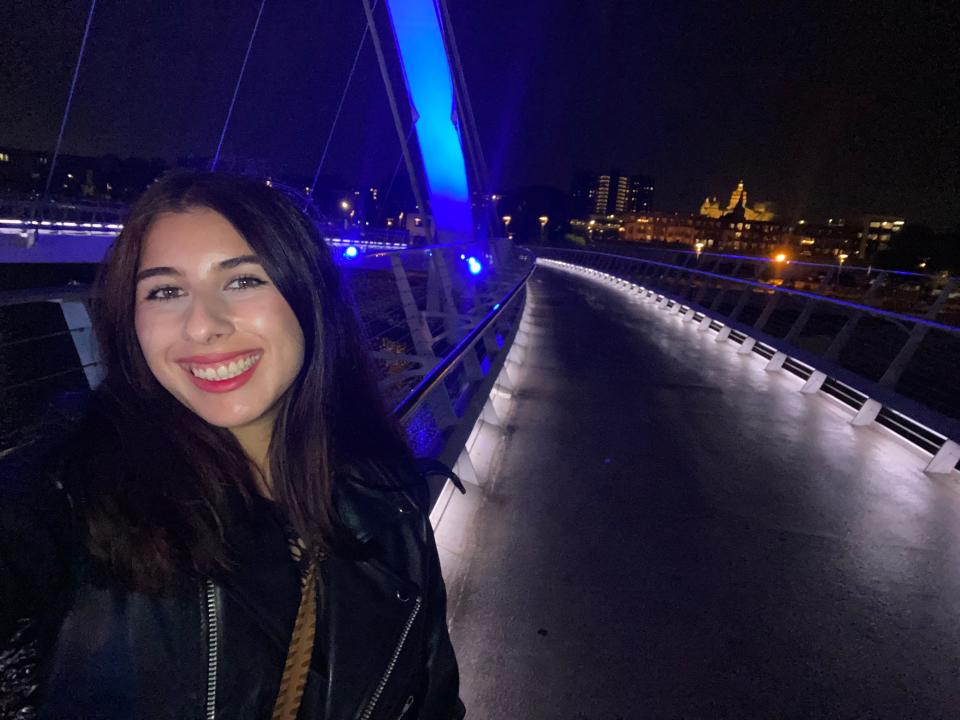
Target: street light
506	224
779	261
543	224
842	257
698	246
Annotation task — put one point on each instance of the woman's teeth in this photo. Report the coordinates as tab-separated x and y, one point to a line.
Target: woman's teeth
227	370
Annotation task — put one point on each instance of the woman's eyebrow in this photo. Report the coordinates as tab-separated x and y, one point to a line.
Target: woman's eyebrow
240	260
222	265
154	271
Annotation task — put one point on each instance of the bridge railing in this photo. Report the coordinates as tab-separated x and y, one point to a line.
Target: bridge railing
37	231
909	293
896	369
436	329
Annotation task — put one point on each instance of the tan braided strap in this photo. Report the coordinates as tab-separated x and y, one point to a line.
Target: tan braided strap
294	678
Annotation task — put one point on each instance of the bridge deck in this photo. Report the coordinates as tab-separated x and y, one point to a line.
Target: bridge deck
675	533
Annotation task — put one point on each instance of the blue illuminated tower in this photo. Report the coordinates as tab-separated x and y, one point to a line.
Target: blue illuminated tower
430	90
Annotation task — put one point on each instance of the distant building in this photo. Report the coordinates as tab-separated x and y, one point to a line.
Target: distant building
419	227
833	238
734	233
612	194
878	231
762	211
24	172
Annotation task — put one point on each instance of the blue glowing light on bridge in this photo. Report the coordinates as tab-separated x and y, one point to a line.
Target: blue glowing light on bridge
474	266
430	86
351	252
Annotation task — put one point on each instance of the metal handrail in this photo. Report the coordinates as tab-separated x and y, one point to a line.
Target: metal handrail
776	288
432	379
421	248
832	371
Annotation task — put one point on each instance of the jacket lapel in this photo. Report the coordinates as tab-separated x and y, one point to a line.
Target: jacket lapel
365	605
363	619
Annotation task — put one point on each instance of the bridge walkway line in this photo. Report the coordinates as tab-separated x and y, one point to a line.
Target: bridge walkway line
670	531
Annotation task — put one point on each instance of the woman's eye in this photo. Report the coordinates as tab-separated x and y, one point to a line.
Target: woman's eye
244	282
167	292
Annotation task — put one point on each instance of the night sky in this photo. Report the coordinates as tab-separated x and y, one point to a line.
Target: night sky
829	109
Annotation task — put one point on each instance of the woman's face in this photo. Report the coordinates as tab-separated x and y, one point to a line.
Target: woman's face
215	331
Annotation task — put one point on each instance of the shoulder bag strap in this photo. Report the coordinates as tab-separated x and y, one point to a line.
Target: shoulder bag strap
295	669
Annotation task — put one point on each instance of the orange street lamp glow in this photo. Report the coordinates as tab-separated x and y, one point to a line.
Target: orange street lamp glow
780	257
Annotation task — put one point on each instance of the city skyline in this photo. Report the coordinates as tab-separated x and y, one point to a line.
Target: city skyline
825	111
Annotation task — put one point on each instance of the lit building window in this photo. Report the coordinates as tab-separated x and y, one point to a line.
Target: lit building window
4	157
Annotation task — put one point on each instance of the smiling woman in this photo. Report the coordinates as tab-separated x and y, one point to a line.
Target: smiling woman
235	514
215	332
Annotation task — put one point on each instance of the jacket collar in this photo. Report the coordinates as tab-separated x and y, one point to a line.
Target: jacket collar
369	501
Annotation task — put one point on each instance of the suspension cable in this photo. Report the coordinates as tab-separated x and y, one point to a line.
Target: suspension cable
397	168
66	111
343	98
236	89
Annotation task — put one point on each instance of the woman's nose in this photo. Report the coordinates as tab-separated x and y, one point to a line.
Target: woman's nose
206	319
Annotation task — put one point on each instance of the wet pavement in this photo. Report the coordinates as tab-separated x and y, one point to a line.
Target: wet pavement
673	532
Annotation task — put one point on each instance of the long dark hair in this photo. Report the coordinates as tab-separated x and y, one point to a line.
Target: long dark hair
153	476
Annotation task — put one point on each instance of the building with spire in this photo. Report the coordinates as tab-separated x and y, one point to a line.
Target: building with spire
737	206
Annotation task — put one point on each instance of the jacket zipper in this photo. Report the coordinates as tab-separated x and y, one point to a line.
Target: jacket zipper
368	711
406	706
213	642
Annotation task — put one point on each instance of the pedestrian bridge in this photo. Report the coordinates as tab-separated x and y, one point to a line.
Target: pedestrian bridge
696	485
682	499
670	528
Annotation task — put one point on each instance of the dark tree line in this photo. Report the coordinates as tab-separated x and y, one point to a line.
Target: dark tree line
919	247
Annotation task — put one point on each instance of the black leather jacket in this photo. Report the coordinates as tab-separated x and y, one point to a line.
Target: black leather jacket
215	647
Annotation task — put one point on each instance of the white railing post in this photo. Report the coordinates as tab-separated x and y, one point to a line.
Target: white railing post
77	318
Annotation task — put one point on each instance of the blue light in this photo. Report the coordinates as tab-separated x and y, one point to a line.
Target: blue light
474	266
351	251
430	86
